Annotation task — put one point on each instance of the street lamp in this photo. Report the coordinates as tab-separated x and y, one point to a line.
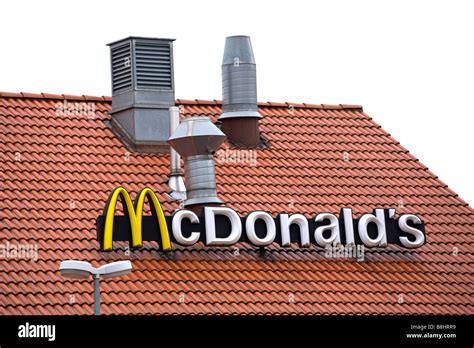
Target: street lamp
82	270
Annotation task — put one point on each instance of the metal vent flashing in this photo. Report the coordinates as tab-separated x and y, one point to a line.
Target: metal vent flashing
142	91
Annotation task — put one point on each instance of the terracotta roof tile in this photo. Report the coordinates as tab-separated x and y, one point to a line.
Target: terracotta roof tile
275	104
58	171
92	98
312	106
10	94
30	95
351	106
73	97
205	102
185	101
51	96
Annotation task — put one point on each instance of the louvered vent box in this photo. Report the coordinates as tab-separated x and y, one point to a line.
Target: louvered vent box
142	88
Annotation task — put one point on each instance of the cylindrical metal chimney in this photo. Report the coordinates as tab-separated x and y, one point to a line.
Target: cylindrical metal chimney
201	180
196	139
240	115
176	183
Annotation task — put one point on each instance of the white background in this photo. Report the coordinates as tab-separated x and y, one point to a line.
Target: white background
409	63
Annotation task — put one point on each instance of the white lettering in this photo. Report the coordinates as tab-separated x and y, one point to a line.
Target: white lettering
348	225
298	219
250	228
333	226
236	230
379	220
176	226
37	331
419	236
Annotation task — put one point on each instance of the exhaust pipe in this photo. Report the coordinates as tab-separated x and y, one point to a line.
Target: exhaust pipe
196	139
176	182
240	116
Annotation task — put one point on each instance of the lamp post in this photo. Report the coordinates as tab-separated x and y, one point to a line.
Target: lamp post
83	270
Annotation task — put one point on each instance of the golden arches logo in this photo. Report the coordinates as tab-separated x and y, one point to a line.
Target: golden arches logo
135	213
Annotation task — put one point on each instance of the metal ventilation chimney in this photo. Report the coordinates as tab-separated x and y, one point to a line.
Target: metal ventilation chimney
176	182
240	115
196	139
142	91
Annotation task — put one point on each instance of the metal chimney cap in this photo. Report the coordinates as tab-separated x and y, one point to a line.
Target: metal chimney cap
140	38
238	50
196	136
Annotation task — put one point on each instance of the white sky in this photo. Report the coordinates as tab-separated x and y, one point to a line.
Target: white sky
409	63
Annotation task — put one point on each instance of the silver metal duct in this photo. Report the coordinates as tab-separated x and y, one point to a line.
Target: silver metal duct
176	182
142	90
239	79
196	139
200	180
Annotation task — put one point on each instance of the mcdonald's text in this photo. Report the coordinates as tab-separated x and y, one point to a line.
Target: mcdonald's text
222	226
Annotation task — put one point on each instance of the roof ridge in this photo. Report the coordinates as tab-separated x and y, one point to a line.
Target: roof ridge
85	97
276	104
27	95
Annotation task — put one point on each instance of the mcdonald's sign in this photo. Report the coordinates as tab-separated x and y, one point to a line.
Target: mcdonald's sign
222	226
134	211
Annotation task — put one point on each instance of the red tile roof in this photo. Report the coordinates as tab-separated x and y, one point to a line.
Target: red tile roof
57	172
